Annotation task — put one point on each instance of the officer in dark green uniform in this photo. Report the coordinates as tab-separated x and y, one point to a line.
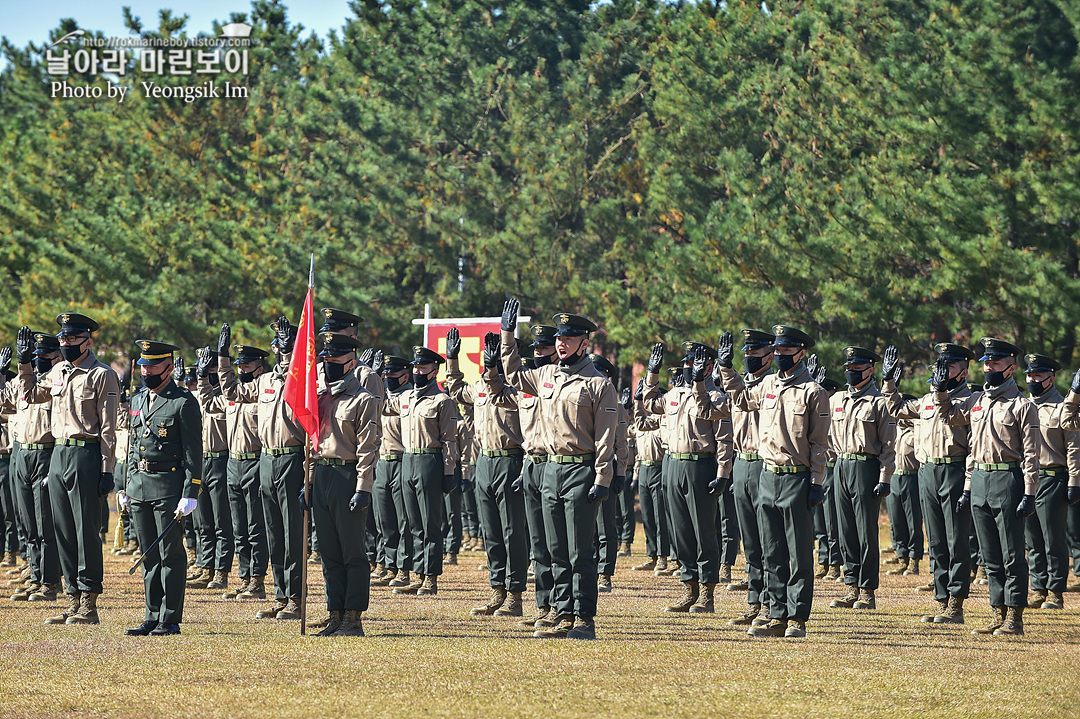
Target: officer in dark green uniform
164	478
607	526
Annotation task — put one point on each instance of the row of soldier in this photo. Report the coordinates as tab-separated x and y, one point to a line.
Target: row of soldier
550	442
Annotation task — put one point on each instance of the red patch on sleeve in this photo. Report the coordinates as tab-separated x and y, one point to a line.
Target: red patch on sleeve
269	391
404	406
136	412
528	396
231	403
674	404
770	396
976	408
483	394
838	409
548	385
929	406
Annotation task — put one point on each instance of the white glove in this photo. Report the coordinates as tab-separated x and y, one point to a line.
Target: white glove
185	507
123	502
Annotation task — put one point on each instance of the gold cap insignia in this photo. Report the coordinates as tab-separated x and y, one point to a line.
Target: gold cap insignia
564	319
1031	359
850	351
780	330
746	334
328	313
65	318
538	331
416	349
39	337
987	341
146	346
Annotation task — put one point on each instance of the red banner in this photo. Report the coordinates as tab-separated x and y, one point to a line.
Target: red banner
471	357
301	385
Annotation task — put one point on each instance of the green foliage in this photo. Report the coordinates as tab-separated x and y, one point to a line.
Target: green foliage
877	172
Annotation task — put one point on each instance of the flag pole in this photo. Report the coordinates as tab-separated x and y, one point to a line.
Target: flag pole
307	497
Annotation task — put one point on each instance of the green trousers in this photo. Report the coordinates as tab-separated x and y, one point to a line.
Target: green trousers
905	515
248	521
281	478
405	546
625	519
947	531
1046	534
502	517
826	525
9	519
666	489
532	491
391	548
694	518
422	478
73	481
654	513
452	522
29	468
746	475
570	523
857	520
787	540
216	542
727	529
346	572
164	567
606	545
994	498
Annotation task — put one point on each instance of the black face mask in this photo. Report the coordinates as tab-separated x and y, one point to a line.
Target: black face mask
754	364
853	377
246	376
421	380
213	379
994	379
1037	388
43	364
153	381
539	361
953	383
687	375
333	372
71	352
786	363
573	359
392	383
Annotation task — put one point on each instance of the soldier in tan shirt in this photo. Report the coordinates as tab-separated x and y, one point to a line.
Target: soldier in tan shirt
650	455
388	499
863	434
1059	468
607	526
32	430
793	414
501	510
579	412
281	464
349	431
905	512
429	432
1004	479
84	393
12	533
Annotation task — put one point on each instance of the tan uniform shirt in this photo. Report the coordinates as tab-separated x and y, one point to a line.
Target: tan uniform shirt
793	416
1004	429
694	419
1060	446
744	424
391	427
84	401
906	461
496	427
31	423
861	424
533	437
429	420
241	420
277	426
349	428
579	410
646	429
934	437
214	420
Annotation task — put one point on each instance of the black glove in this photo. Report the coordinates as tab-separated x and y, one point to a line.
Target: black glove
224	339
106	483
626	399
178	370
303	501
725	350
360	500
964	503
700	360
618	484
656	358
1075	386
511	309
453	343
1026	508
449	483
940	377
466	484
24	345
5	359
816	496
367	356
881	490
820	374
634	484
719	485
284	337
206	358
1072	494
597	493
639	393
811	364
890	366
518	484
378	362
491	349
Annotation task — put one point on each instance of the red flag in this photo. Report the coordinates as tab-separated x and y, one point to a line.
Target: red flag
300	386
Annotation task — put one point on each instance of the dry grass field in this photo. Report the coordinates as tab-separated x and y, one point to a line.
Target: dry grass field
428	657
